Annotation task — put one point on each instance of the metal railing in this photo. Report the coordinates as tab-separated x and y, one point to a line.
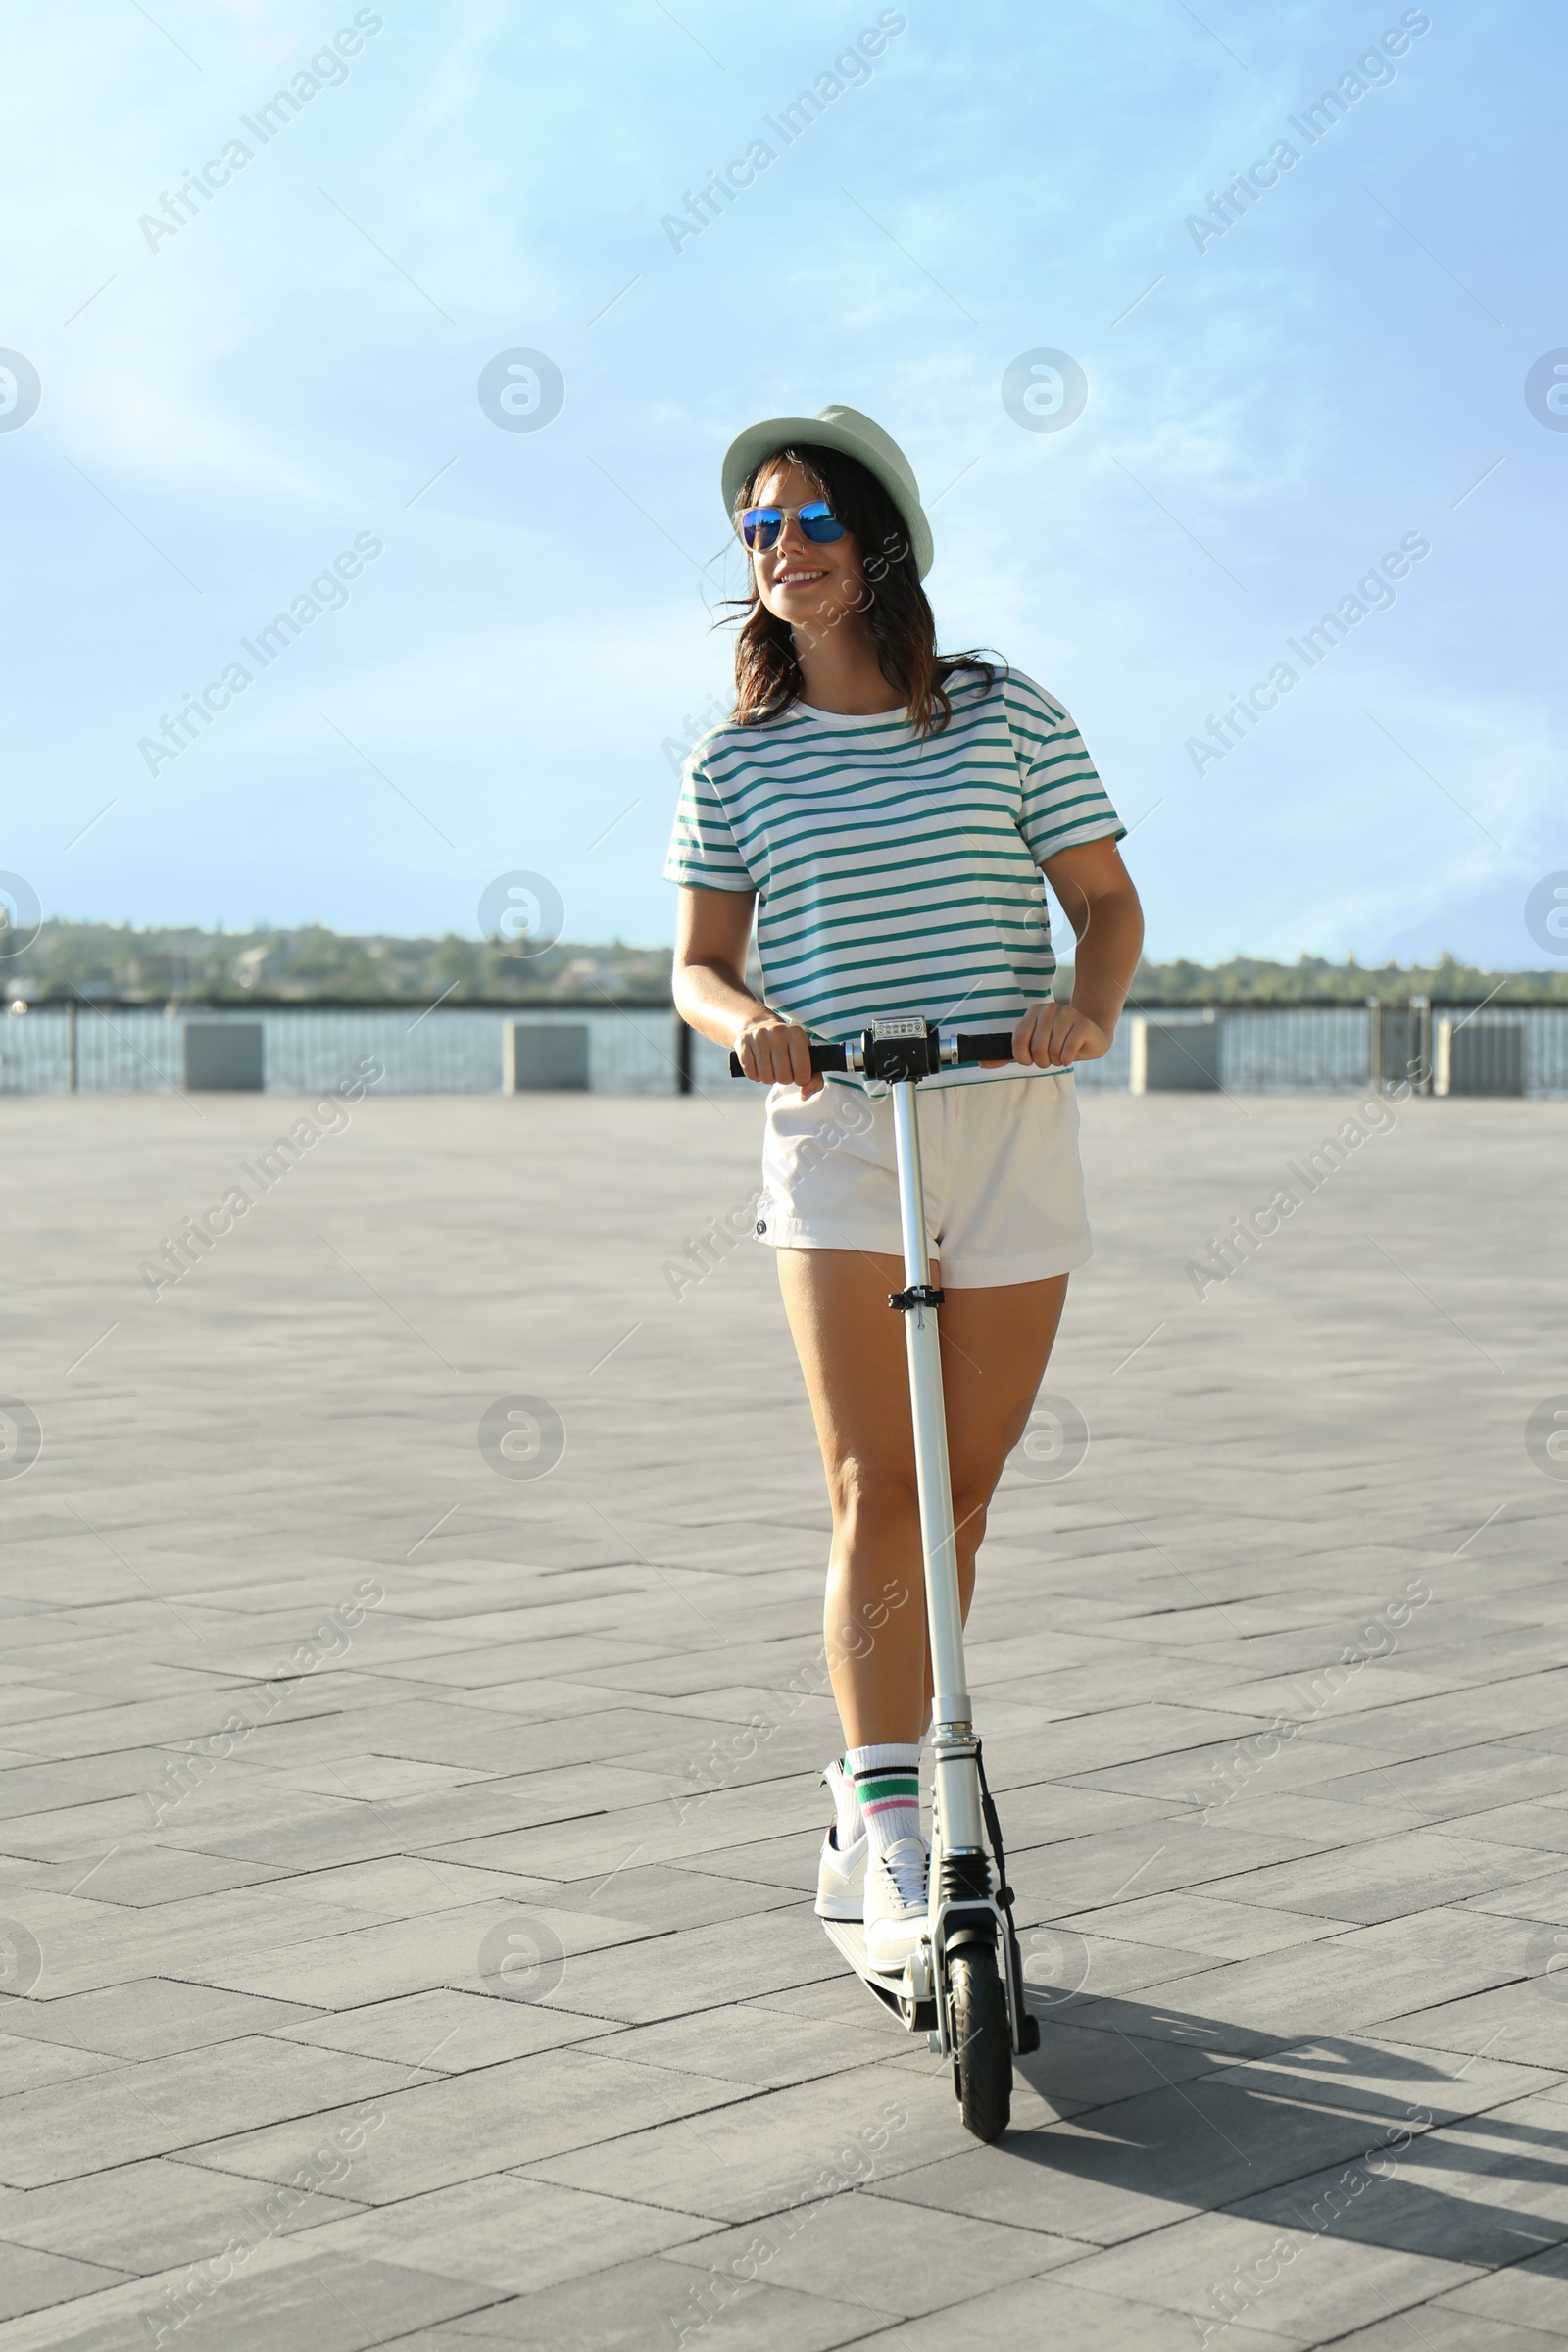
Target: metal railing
1261	1049
643	1048
313	1048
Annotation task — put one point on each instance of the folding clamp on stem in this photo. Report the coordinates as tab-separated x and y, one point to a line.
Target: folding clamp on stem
919	1294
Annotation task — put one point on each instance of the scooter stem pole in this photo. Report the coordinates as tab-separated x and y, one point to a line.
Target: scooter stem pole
957	1787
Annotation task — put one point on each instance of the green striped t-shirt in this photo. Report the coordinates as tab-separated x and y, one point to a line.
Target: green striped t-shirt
896	877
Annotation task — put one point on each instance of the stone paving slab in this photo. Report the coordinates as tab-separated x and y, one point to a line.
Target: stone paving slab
148	2217
405	1870
515	2235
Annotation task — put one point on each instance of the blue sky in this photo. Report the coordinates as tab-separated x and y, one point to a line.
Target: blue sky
226	407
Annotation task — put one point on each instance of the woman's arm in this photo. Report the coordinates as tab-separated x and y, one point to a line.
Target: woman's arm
713	931
1097	893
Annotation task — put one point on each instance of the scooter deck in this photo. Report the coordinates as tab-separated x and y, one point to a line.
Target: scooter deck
847	1937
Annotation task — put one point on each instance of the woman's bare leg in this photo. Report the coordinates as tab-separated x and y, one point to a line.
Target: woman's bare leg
996	1345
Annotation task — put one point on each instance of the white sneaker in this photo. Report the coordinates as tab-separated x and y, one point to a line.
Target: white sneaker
897	1903
841	1879
841	1873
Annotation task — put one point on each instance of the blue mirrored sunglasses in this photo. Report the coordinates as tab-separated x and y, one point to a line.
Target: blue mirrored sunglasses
761	526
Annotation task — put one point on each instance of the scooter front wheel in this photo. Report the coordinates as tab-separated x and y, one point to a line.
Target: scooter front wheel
982	2043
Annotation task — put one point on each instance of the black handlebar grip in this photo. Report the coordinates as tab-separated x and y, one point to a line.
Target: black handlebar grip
823	1057
990	1044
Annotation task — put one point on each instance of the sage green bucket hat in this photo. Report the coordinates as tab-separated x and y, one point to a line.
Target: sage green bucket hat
856	436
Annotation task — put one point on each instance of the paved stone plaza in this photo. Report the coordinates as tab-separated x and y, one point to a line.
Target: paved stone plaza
405	1866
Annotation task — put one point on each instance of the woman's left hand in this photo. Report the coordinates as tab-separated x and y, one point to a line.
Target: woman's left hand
1052	1035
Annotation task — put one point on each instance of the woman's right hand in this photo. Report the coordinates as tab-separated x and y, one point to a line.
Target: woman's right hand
777	1053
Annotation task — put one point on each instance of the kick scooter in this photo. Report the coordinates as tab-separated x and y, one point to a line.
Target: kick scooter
963	1985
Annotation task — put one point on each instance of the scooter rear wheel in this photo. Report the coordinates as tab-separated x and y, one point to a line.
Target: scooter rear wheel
982	2043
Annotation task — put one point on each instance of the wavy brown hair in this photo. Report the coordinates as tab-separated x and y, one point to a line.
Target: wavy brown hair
767	670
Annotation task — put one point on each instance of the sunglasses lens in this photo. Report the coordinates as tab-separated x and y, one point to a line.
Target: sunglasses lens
820	523
761	526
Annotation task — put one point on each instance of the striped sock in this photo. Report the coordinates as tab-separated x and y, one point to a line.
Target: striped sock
846	1805
887	1781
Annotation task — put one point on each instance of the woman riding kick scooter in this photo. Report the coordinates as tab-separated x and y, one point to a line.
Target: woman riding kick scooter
887	812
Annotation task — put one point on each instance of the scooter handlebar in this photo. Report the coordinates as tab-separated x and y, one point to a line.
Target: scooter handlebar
990	1044
949	1053
824	1057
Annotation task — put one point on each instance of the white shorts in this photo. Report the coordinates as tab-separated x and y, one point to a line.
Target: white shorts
1003	1189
